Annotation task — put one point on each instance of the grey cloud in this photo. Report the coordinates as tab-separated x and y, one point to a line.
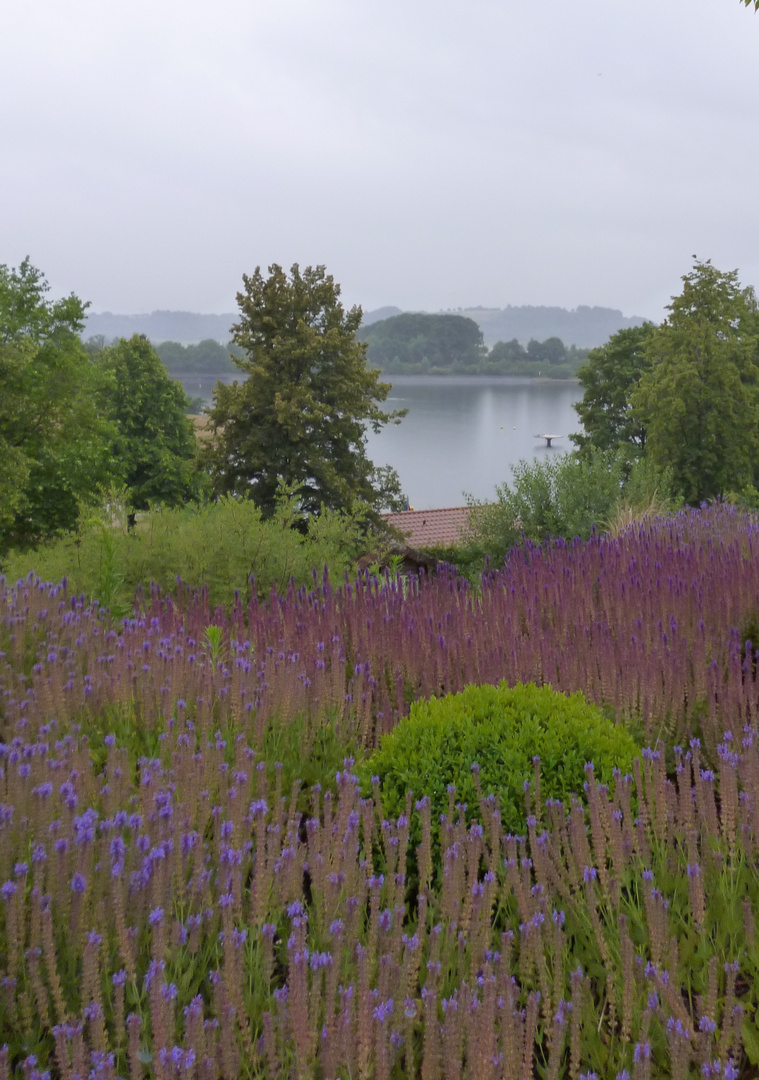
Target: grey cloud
431	154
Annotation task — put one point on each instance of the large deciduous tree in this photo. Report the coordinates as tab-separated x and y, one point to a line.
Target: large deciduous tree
300	416
699	399
608	377
55	446
155	442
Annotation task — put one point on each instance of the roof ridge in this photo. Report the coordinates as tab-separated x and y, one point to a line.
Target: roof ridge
434	510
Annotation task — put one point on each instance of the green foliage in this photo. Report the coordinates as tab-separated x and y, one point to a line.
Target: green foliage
25	313
195	405
562	496
213	643
685	393
422	344
567	496
206	357
511	356
301	414
110	577
155	444
220	545
305	754
699	400
608	378
55	447
747	498
500	730
94	345
415	340
467	557
550	359
648	485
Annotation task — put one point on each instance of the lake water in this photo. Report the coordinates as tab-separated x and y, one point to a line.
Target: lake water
462	433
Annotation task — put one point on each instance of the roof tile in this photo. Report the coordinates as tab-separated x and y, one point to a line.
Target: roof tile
431	528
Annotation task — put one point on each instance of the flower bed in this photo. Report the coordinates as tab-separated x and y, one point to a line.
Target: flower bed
173	904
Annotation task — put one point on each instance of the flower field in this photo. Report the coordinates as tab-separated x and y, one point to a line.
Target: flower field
193	883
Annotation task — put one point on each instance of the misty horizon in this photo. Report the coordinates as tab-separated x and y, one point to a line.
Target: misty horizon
585	326
431	155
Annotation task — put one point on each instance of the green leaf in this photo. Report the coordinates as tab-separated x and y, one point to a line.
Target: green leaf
751	1040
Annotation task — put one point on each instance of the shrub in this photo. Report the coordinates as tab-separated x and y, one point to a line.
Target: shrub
564	496
500	729
567	496
220	545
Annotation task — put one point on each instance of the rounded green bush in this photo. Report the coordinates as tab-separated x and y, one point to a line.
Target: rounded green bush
500	729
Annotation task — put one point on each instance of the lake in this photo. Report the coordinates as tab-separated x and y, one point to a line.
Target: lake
462	433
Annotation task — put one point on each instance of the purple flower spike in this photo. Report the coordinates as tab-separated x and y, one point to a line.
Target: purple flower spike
641	1052
78	883
384	1011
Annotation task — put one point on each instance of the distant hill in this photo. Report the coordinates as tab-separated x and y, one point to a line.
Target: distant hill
184	327
378	314
582	326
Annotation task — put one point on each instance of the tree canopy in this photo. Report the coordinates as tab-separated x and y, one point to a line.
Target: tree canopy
55	446
300	416
417	343
550	359
155	441
699	398
684	394
609	377
207	357
417	340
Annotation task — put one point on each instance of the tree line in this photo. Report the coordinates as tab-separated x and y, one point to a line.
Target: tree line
207	357
405	344
672	409
83	421
417	343
74	425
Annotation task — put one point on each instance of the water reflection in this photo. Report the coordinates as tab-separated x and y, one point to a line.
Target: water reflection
462	433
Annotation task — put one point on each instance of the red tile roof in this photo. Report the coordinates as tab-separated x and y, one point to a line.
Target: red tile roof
431	528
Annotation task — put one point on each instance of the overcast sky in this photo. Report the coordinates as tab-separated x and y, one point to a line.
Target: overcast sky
431	154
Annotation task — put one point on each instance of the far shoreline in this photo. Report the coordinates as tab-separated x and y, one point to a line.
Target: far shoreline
387	376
